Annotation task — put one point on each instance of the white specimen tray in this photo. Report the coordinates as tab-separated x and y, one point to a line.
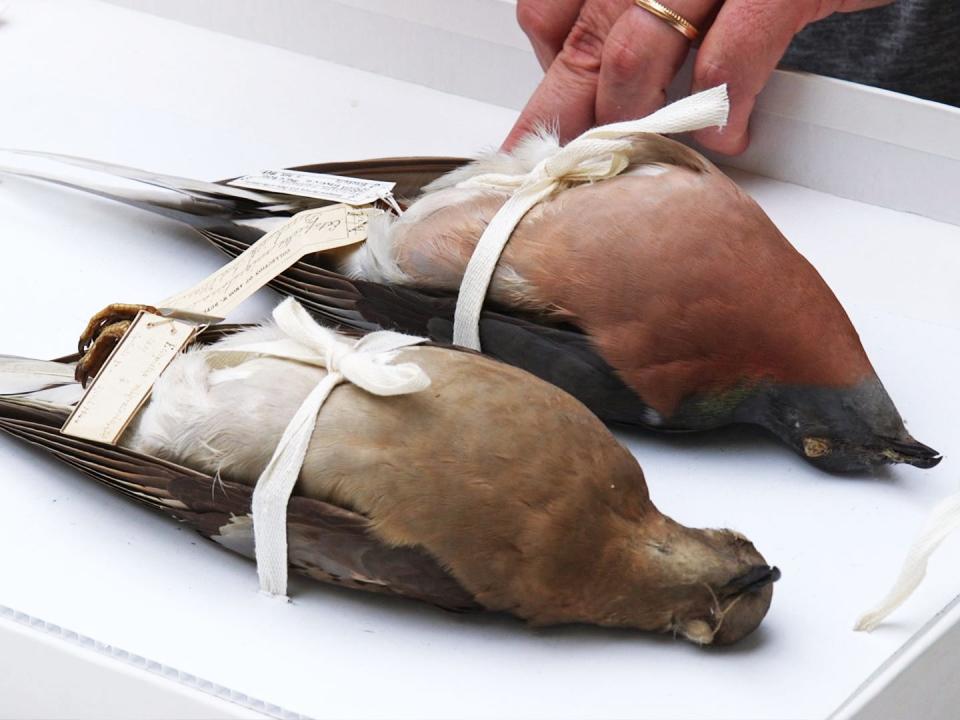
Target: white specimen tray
86	574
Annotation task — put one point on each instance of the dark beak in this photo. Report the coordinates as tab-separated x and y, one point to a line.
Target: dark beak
911	452
757	577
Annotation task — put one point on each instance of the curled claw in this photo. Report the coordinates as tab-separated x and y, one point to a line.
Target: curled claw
111	314
101	336
99	350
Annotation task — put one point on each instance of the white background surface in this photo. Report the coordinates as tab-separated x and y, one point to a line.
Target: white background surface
45	677
111	84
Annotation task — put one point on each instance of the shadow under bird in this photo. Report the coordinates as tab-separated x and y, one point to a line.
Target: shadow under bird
663	297
429	495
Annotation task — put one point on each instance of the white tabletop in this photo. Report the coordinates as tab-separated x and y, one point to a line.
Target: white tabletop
97	81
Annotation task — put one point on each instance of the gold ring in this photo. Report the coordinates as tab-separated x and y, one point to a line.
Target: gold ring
674	19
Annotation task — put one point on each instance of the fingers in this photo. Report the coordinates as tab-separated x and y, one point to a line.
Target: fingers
742	49
616	63
547	23
566	97
640	58
617	60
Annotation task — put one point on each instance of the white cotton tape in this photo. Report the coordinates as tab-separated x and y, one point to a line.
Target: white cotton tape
597	154
364	363
944	520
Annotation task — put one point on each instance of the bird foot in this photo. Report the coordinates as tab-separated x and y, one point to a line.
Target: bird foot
101	336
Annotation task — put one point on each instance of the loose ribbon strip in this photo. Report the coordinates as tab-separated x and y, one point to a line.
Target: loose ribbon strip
366	364
598	154
944	520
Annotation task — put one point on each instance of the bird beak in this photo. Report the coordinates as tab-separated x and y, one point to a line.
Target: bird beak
911	452
742	604
878	451
754	579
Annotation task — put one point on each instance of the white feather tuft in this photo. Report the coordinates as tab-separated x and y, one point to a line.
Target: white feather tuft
216	417
376	260
529	152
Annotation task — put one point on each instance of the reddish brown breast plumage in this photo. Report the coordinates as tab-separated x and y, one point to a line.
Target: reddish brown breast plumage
682	281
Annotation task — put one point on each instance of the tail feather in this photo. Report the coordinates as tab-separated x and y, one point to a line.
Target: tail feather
38	381
222	213
160	180
195	202
169	188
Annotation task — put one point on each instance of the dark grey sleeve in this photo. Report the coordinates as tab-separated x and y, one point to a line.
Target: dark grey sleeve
911	46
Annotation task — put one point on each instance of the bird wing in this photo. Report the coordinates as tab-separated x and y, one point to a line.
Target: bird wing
561	355
327	543
26	376
198	202
181	198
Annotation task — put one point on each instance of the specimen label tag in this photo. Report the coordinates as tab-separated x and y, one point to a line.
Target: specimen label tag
310	231
152	342
338	188
127	378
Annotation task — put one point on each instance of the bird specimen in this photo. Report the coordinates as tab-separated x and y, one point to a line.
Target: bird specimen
489	489
663	297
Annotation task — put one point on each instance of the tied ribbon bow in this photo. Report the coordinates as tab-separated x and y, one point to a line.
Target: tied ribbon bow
597	154
364	363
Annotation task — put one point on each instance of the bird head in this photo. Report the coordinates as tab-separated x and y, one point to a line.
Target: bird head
840	429
778	351
710	586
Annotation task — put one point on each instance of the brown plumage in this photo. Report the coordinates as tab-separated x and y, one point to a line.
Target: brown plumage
682	282
490	489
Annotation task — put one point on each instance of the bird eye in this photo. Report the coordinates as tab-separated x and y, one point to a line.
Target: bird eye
660	547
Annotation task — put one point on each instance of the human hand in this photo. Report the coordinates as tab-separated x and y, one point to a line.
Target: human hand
610	60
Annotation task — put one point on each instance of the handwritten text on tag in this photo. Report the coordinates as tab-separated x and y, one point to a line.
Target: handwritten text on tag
339	188
127	378
310	231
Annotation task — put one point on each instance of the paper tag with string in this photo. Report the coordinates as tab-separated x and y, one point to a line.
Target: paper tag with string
310	231
338	188
153	341
123	385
